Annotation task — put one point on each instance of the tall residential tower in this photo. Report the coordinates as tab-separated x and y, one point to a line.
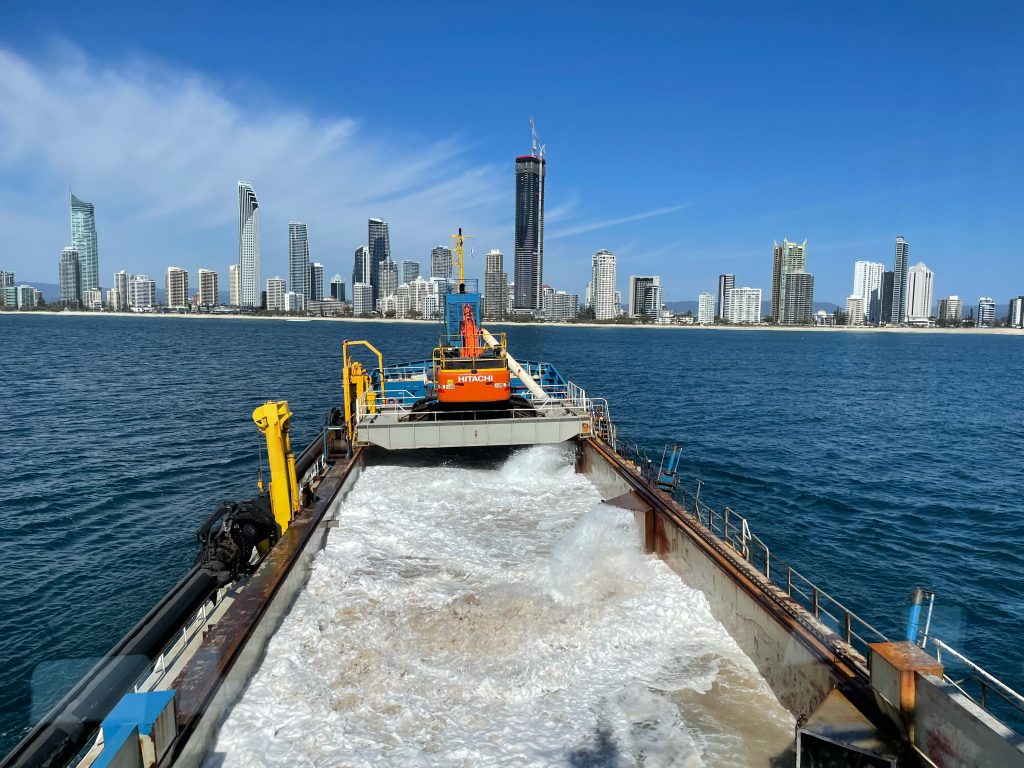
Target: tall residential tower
602	285
899	282
70	271
495	286
867	285
725	284
920	280
788	258
380	251
83	240
298	258
248	246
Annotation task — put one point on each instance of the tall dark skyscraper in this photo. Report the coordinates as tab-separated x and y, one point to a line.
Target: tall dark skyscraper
725	284
899	282
380	250
529	254
885	298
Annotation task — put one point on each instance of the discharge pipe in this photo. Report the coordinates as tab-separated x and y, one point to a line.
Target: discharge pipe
516	368
915	615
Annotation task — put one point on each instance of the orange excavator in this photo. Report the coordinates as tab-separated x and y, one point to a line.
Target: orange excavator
467	371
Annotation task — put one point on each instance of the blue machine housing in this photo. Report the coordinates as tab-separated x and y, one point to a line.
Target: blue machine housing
453	309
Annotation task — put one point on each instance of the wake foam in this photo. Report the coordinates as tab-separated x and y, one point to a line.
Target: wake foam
497	617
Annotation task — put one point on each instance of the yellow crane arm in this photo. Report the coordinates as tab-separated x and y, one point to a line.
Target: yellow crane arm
273	419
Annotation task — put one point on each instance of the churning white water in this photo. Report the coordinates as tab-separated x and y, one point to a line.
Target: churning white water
474	617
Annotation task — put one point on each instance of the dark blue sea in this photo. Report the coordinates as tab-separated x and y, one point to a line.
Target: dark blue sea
873	462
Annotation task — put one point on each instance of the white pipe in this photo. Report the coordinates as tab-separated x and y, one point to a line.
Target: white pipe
516	368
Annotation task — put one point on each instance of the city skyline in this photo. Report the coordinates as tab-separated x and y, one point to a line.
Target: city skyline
689	203
876	293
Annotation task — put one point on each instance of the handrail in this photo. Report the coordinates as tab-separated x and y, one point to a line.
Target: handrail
1008	694
734	529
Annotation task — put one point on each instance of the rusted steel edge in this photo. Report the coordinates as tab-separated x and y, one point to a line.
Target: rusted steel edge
847	666
206	672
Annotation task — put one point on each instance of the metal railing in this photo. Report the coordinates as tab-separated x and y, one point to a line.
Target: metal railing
174	650
978	678
733	529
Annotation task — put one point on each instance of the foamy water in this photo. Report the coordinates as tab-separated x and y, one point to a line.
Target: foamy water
475	617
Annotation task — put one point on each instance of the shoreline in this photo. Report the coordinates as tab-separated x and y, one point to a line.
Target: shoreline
506	324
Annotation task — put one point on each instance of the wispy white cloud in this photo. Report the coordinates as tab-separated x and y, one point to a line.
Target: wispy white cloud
579	229
159	152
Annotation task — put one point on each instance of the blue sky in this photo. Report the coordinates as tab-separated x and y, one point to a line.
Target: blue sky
684	139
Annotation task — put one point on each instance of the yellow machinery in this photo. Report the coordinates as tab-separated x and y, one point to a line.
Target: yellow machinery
273	419
356	382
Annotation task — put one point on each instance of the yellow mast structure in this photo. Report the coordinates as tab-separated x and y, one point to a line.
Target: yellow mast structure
460	260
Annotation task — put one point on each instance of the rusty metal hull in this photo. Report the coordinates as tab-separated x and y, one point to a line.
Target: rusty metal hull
801	659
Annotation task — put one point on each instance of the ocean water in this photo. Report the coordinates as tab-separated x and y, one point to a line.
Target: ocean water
874	462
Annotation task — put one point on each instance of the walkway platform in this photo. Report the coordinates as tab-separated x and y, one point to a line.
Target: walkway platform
396	428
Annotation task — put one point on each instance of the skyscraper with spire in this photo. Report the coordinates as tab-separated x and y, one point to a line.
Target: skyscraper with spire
248	246
531	173
83	240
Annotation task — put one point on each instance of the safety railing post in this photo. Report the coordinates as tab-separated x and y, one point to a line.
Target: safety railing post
789	581
847	629
814	600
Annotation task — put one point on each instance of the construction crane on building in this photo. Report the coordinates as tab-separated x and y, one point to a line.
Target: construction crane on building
538	148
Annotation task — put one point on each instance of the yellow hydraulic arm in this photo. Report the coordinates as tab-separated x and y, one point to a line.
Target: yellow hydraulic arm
272	419
356	382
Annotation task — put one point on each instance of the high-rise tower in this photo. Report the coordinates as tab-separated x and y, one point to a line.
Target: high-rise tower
441	262
208	288
725	284
316	281
602	285
248	246
83	240
867	285
919	294
786	258
899	282
495	286
380	250
361	266
531	173
177	287
70	271
298	259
